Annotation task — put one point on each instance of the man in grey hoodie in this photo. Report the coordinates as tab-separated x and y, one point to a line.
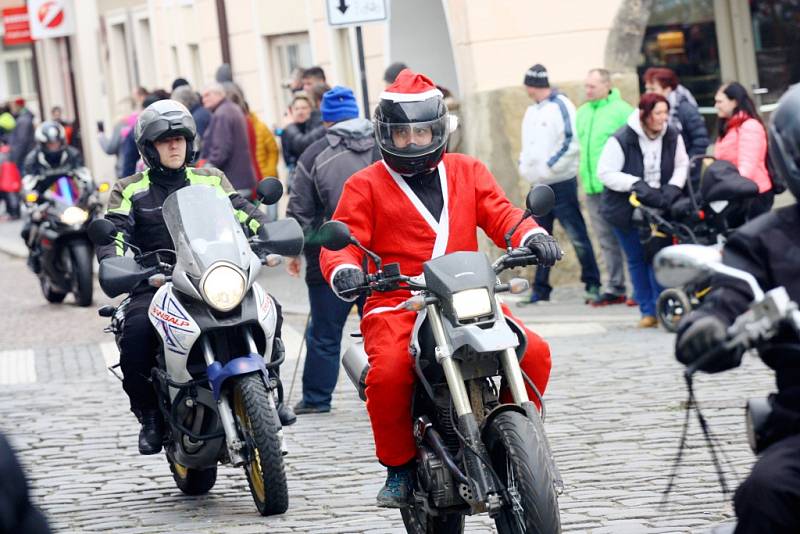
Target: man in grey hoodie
347	147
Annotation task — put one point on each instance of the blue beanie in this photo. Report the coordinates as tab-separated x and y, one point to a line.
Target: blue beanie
339	104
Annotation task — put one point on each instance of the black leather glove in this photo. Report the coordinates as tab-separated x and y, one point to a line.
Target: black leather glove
348	279
705	334
671	193
683	210
545	248
649	196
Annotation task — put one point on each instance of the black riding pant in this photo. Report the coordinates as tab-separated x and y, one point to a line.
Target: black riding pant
769	499
138	348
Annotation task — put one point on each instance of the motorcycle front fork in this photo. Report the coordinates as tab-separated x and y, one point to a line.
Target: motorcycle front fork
466	419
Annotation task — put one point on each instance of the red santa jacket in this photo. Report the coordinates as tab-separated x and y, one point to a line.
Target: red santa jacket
387	217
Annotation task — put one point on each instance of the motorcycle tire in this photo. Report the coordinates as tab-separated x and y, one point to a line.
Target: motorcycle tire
254	407
519	457
83	283
672	306
50	293
417	521
193	481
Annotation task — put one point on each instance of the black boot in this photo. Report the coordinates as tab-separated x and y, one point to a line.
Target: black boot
151	436
286	414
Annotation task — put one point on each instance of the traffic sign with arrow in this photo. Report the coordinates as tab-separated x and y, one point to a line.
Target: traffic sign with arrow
352	12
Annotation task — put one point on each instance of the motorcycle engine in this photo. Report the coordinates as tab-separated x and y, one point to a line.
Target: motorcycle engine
436	480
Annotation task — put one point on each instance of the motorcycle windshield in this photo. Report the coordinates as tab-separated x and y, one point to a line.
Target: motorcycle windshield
204	230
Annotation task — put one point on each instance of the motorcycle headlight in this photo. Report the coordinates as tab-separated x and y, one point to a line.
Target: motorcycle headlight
223	287
74	215
472	303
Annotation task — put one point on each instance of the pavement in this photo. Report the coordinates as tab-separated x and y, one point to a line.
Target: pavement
614	414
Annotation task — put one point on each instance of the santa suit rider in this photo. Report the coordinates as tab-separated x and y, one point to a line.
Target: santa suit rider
417	204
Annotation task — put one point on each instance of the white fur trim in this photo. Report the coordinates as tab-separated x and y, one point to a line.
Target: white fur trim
538	230
410	97
341	267
441	227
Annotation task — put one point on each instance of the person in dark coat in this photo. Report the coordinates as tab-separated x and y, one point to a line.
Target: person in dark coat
302	126
684	114
20	142
17	513
768	248
225	144
189	98
347	147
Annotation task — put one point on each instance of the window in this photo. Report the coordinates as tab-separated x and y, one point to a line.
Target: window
682	36
197	66
13	78
288	52
777	44
145	57
176	65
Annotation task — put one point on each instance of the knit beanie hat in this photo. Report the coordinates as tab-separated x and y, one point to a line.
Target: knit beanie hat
536	76
339	104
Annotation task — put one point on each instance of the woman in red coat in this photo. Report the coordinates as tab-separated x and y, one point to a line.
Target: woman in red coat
416	204
743	141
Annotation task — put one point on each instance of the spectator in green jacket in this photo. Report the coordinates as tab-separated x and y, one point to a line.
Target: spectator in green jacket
597	120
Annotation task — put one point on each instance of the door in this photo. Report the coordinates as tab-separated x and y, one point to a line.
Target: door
776	39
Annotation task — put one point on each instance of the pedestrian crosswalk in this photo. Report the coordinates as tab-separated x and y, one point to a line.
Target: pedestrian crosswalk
19	366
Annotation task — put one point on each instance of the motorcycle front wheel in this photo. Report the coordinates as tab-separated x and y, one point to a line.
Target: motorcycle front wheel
255	410
518	455
672	306
193	481
50	293
417	521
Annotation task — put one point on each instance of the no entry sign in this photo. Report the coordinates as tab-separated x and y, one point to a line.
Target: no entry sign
51	18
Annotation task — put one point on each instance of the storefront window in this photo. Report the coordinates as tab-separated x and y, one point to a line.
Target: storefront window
681	35
776	36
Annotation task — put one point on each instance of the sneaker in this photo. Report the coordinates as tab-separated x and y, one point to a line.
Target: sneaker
632	303
591	295
533	300
606	299
648	321
303	408
396	493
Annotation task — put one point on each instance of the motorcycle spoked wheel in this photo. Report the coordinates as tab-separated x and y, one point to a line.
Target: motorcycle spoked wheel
672	306
192	481
417	521
255	410
81	270
519	458
49	292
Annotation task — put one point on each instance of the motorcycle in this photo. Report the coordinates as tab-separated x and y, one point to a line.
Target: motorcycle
61	209
214	379
756	328
475	454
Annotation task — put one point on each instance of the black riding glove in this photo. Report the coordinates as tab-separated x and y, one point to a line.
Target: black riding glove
705	334
348	279
545	248
649	196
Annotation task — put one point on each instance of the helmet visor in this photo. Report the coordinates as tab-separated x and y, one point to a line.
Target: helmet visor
412	139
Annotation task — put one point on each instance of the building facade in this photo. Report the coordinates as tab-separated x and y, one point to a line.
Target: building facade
479	50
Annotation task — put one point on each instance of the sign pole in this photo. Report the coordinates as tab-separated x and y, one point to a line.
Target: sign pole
363	71
36	82
76	124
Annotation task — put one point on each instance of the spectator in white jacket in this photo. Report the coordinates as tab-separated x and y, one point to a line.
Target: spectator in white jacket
646	157
550	156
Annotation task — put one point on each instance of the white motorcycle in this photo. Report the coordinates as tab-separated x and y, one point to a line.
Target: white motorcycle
218	346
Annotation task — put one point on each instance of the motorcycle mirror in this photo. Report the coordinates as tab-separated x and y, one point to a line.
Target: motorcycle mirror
540	200
270	190
334	235
679	265
101	232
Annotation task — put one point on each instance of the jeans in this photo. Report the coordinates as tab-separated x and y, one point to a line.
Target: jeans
567	210
609	244
643	278
323	341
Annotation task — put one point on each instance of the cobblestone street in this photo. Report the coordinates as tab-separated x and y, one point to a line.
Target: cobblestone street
614	414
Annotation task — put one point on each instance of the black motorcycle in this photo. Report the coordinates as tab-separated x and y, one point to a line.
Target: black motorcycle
474	453
61	208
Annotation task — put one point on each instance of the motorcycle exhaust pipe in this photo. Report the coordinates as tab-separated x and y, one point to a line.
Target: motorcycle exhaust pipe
356	366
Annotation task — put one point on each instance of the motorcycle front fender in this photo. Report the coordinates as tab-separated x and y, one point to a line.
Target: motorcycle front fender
218	374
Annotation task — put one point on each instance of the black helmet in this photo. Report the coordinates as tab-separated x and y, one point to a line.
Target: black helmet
410	107
159	120
784	139
51	132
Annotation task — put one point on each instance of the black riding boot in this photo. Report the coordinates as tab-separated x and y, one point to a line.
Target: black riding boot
151	436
